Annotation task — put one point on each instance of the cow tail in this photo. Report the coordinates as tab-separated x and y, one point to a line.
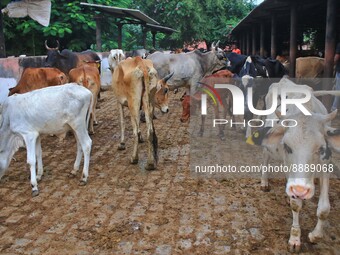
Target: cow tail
89	112
146	94
154	143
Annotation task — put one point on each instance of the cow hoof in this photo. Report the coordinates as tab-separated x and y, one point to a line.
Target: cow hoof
265	188
140	140
96	123
91	133
222	137
133	161
35	193
121	146
313	238
39	178
294	248
82	183
71	175
200	133
150	166
184	120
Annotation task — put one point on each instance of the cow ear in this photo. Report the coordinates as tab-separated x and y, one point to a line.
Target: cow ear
267	136
333	139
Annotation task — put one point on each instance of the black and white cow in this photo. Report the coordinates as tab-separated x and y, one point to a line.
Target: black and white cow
257	73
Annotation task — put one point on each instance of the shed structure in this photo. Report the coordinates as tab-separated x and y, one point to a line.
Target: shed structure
276	26
125	16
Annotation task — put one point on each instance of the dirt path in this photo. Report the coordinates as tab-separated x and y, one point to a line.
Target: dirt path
126	210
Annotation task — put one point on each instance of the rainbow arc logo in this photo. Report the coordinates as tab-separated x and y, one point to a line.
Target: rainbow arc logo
211	91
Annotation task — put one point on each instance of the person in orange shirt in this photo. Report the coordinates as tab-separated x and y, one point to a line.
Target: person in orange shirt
235	49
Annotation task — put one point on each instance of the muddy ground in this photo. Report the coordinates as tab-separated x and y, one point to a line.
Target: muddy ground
126	210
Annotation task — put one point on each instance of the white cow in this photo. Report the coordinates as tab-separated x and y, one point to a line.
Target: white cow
51	110
115	56
306	146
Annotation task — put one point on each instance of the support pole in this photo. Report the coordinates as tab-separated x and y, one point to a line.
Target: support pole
98	33
2	38
154	39
329	50
253	42
273	37
248	51
262	39
144	37
293	37
120	34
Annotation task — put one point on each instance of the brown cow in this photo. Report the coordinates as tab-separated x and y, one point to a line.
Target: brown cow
220	77
37	78
88	76
135	84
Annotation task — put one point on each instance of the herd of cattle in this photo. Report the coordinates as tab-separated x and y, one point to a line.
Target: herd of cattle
143	83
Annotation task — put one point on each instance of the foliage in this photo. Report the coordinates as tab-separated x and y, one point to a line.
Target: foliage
209	20
74	26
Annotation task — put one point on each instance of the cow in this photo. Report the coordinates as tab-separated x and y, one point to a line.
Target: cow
37	78
188	68
307	70
248	68
308	144
66	59
143	53
88	76
115	57
135	85
225	99
50	110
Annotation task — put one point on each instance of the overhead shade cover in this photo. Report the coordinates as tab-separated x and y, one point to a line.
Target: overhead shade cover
39	10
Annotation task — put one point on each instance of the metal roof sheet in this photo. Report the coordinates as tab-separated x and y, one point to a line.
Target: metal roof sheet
123	13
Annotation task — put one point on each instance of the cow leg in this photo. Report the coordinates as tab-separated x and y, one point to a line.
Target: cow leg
134	111
79	156
322	211
264	177
200	133
84	144
294	242
121	146
30	141
221	127
39	158
151	135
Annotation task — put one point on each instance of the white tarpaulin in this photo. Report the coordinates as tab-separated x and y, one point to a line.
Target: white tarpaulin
39	10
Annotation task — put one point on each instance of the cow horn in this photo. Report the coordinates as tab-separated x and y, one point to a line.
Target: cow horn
218	42
213	45
47	48
166	78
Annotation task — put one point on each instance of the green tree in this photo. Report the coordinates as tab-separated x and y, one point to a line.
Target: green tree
70	24
209	20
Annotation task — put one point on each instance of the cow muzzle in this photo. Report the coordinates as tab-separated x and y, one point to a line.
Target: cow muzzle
164	109
300	191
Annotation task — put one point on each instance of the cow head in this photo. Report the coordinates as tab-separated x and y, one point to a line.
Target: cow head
53	54
306	150
116	56
161	96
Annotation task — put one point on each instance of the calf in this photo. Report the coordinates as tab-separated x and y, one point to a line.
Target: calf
37	78
88	76
51	110
134	82
225	99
